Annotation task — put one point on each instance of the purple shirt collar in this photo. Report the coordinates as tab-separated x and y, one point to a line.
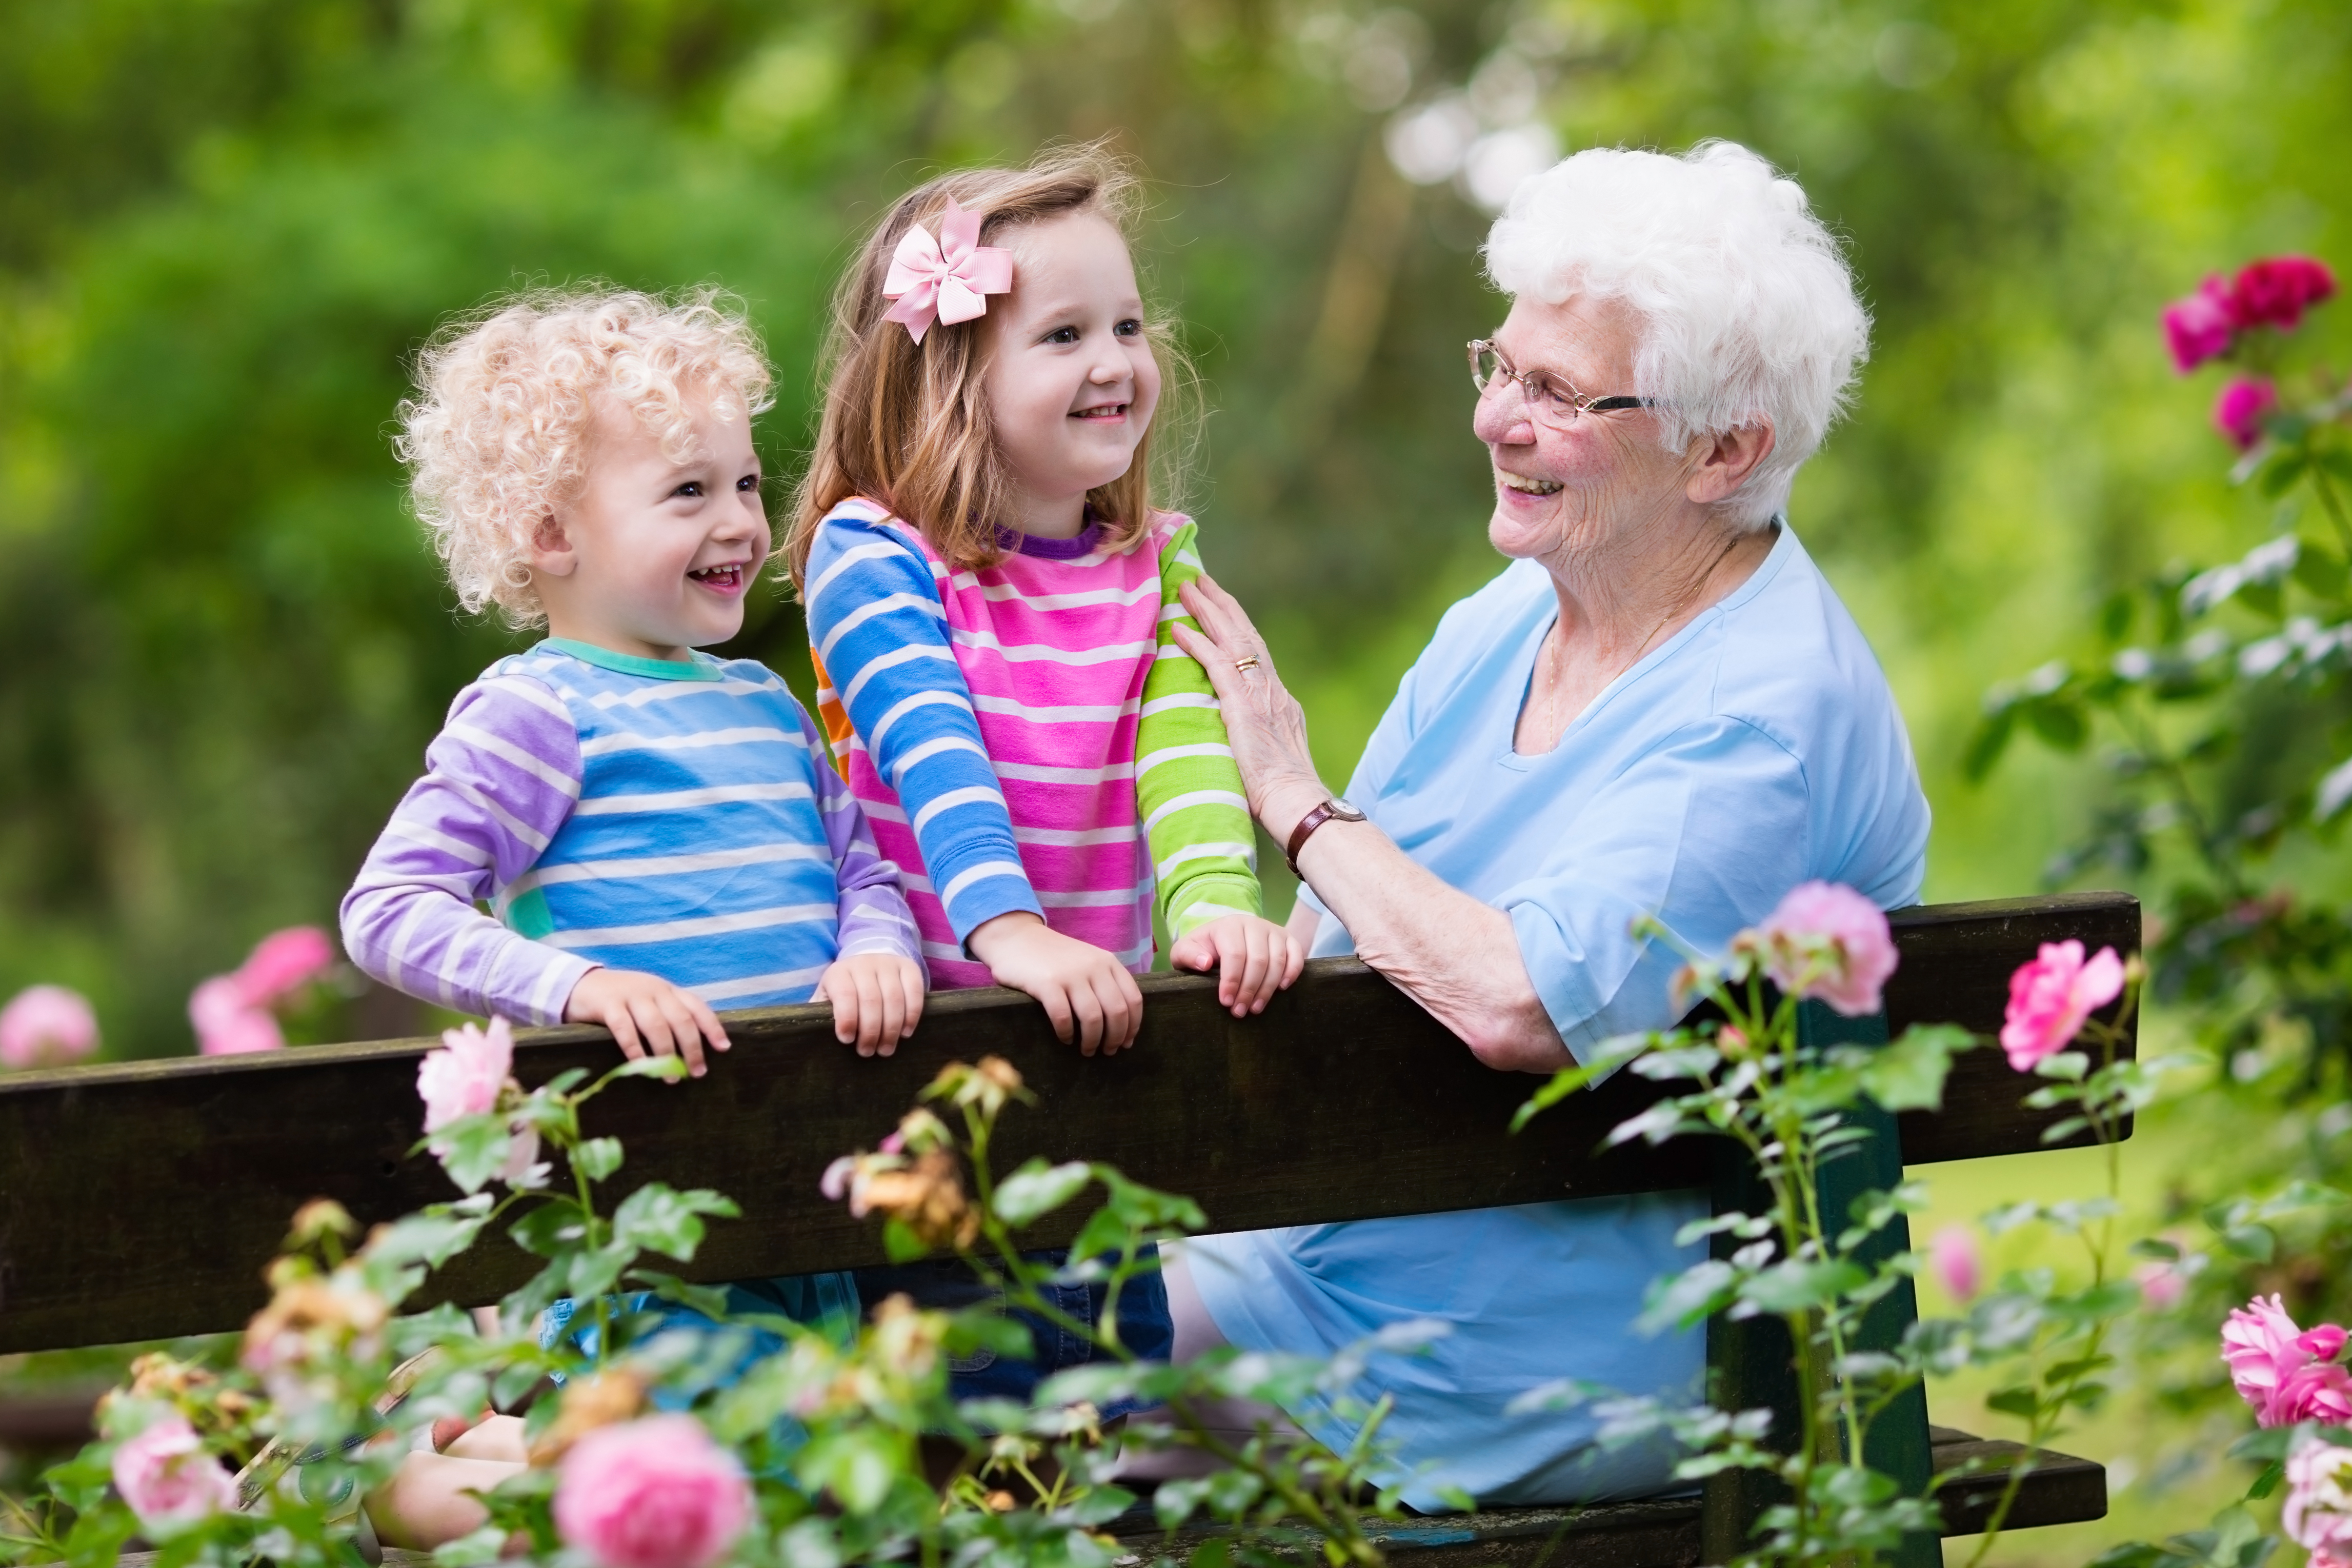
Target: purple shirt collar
1053	549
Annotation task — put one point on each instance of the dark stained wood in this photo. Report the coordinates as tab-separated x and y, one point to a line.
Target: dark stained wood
143	1199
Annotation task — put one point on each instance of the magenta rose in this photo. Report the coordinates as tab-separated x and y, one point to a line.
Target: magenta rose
656	1493
1828	942
2051	997
2288	1375
168	1479
1956	1263
226	1024
2277	290
2239	411
47	1025
2200	327
2318	1512
284	962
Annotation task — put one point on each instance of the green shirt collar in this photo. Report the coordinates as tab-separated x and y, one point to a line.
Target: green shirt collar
703	667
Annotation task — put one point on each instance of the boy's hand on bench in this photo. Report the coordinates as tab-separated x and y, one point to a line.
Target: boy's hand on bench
877	999
1253	958
1087	992
645	1010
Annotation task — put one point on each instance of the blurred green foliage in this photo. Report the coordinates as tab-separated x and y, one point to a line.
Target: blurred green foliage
225	224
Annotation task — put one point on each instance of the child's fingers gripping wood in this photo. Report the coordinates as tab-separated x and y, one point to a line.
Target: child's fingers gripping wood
645	1013
1253	958
877	999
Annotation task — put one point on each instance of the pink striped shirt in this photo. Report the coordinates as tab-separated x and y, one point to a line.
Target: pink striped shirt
1051	656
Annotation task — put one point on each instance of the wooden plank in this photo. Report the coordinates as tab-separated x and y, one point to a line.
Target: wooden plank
143	1199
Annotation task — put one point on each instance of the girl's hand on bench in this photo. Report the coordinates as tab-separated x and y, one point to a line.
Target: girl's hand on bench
646	1011
1253	958
877	999
1087	992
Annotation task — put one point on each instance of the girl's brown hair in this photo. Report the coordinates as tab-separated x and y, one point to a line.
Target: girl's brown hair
907	425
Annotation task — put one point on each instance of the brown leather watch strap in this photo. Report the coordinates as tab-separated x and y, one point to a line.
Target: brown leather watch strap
1329	811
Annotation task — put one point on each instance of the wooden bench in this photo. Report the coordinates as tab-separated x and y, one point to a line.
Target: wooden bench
141	1200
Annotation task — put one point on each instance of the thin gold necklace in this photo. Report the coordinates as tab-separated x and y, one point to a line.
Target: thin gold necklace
1558	660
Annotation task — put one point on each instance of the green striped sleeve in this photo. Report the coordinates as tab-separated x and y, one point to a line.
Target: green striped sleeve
1203	848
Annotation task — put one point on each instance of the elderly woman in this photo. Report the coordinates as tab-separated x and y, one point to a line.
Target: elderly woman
1659	707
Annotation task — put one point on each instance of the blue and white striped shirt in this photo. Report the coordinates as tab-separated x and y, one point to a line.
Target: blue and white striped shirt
678	818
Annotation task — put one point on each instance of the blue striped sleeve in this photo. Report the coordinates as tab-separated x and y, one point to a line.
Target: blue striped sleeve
876	619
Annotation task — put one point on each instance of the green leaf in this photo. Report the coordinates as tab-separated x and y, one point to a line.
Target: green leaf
900	1240
710	1300
473	1149
1797	1285
2267	1482
2020	1402
1037	1189
1989	741
1908	1075
597	1158
1685	1299
2060	723
1612	1054
659	1218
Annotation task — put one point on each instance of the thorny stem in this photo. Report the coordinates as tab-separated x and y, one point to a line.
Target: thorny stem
2096	1107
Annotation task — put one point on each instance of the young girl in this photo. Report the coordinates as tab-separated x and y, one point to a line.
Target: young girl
990	597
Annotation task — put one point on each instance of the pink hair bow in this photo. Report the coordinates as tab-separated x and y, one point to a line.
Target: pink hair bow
944	280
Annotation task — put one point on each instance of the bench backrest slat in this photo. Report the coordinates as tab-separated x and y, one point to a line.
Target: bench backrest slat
143	1200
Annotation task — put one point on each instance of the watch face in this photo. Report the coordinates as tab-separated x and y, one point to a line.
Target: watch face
1345	811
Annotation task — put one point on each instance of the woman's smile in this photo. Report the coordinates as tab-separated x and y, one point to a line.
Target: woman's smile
1527	484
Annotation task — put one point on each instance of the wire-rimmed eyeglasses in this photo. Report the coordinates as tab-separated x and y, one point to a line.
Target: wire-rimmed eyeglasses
1551	398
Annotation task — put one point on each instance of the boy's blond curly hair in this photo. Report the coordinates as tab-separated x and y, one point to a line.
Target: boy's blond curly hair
497	438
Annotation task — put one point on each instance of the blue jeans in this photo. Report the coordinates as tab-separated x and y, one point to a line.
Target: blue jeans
837	1302
1146	1329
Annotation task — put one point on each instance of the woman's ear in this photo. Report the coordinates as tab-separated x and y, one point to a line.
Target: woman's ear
550	554
1726	463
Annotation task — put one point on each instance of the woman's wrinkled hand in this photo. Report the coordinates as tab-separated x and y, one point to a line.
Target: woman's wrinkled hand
1088	994
1264	723
1255	959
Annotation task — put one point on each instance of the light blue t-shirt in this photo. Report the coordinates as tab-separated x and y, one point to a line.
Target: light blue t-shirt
1758	748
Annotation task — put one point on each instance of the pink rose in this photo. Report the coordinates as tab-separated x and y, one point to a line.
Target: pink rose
656	1493
2277	290
226	1024
168	1479
47	1025
285	962
2318	1512
2239	411
2200	327
1828	941
465	1076
1958	1267
2051	997
2162	1284
2286	1374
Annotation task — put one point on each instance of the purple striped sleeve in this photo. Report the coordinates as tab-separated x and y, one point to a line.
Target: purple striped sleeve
500	779
872	908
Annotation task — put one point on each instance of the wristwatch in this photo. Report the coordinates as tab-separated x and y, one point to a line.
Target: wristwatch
1332	810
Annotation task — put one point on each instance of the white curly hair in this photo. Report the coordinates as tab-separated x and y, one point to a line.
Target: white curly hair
497	438
1747	307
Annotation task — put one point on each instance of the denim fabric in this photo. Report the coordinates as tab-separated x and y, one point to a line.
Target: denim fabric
945	1284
